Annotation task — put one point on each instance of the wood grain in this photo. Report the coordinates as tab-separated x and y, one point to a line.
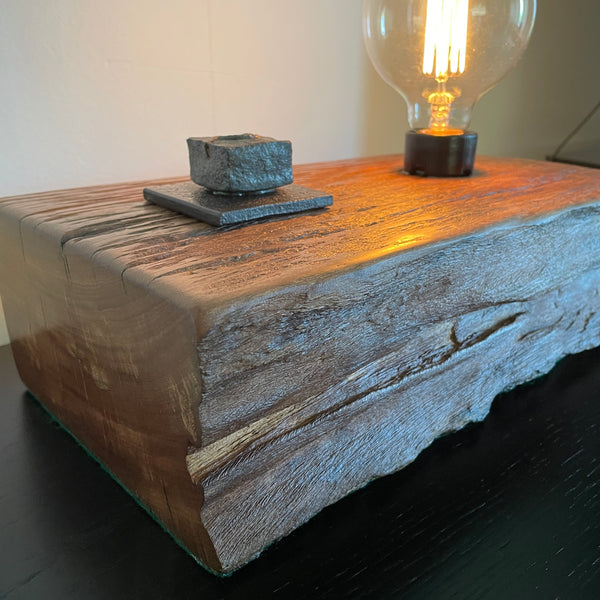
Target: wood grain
239	379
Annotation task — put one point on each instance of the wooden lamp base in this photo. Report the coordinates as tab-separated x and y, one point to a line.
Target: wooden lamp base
237	381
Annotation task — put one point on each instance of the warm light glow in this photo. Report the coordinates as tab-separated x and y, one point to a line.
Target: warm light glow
444	54
445	47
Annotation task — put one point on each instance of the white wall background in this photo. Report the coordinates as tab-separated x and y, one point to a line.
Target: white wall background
99	91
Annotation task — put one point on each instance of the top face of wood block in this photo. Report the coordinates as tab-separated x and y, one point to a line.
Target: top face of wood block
379	212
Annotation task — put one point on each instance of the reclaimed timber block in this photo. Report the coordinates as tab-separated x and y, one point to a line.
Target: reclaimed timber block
237	380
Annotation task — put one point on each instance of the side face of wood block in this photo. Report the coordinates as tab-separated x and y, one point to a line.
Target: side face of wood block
238	380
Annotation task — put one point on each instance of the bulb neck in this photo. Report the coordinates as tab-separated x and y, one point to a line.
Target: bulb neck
439	155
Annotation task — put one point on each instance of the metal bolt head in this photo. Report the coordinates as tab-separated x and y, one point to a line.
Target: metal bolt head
240	164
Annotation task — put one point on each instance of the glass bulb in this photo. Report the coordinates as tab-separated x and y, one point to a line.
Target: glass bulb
443	55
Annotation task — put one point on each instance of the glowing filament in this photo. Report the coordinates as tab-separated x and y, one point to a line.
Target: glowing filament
445	48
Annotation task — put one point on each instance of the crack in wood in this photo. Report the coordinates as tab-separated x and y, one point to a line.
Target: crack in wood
262	432
541	331
477	338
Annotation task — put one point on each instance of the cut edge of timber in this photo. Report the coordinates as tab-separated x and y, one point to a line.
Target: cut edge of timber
271	477
331	317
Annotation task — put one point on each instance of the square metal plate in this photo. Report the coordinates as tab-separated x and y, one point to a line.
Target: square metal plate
220	209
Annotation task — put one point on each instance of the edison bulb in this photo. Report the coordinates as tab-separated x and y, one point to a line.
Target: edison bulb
442	56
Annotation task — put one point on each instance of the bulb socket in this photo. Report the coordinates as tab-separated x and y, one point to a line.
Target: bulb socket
439	155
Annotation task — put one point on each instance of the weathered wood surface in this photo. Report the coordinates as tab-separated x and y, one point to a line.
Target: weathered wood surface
238	380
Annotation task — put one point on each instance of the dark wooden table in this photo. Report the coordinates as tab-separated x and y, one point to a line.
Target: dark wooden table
508	508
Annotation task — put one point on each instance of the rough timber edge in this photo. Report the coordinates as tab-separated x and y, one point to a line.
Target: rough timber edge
206	316
455	417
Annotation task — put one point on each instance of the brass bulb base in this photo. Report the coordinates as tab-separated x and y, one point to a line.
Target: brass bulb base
439	155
